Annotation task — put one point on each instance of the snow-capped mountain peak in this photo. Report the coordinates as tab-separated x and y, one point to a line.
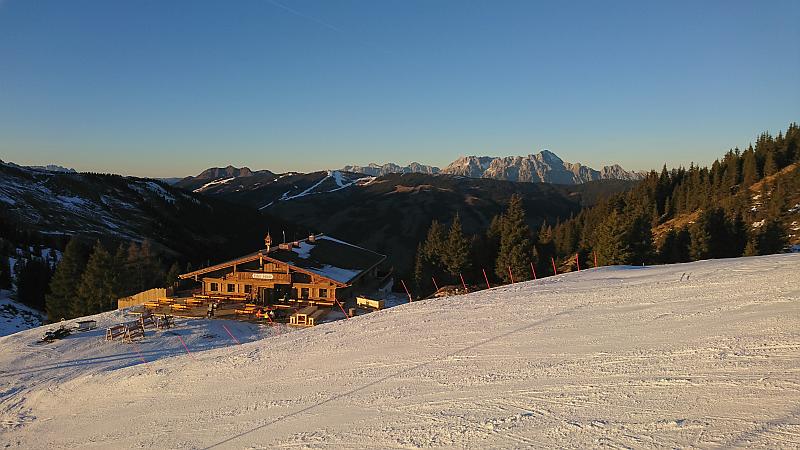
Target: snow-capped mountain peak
542	167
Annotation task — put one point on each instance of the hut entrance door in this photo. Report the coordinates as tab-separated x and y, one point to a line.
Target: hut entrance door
265	295
282	292
274	294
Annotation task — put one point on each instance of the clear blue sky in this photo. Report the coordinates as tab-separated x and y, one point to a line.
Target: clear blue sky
168	88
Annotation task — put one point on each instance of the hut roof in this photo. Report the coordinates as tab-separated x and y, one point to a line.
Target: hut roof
324	256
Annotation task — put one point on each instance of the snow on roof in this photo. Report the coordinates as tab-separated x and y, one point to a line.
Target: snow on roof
328	257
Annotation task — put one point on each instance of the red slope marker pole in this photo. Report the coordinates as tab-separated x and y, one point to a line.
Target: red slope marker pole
463	284
435	284
342	308
533	269
184	346
555	271
578	262
488	286
231	335
407	293
595	258
510	275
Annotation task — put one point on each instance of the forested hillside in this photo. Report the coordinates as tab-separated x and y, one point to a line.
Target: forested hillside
746	203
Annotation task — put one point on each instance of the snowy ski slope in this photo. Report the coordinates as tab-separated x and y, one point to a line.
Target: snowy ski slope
621	357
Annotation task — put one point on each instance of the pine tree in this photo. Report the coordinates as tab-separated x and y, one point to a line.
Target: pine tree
172	275
710	235
516	247
96	291
675	246
455	254
612	241
772	238
421	269
435	242
121	273
63	285
640	239
32	280
5	273
770	166
737	237
749	168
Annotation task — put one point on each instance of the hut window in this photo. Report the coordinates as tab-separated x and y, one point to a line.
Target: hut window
323	293
231	287
304	292
248	288
214	287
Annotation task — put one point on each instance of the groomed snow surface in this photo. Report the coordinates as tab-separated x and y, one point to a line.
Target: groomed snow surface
618	356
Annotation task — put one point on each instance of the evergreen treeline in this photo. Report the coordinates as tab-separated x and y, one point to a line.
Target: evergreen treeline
695	213
90	280
733	208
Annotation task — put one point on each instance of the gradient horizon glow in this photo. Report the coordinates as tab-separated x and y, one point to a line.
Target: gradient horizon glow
169	88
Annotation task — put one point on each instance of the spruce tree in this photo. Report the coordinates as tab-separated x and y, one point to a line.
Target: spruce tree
612	240
435	241
121	275
96	290
172	275
32	280
5	272
455	255
772	238
65	280
711	235
640	239
749	168
516	246
421	269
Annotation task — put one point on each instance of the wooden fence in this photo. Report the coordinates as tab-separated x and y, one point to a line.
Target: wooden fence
143	297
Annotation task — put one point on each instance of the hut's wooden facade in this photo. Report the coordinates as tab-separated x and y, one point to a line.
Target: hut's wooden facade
317	270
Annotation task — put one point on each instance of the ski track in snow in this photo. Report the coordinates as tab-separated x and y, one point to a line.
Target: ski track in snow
337	177
624	357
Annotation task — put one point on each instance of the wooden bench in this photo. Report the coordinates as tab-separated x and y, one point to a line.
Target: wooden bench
147	319
179	307
300	318
115	331
133	330
369	303
164	322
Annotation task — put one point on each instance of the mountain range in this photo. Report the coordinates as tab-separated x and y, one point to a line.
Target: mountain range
542	167
58	203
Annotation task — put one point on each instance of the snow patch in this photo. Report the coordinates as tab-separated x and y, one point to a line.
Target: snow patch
214	183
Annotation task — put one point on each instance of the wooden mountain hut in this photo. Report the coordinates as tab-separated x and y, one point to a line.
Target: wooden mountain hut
316	271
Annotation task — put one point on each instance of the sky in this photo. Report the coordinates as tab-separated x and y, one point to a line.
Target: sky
169	88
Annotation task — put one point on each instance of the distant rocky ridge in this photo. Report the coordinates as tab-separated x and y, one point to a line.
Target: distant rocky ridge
228	172
378	170
543	167
47	168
